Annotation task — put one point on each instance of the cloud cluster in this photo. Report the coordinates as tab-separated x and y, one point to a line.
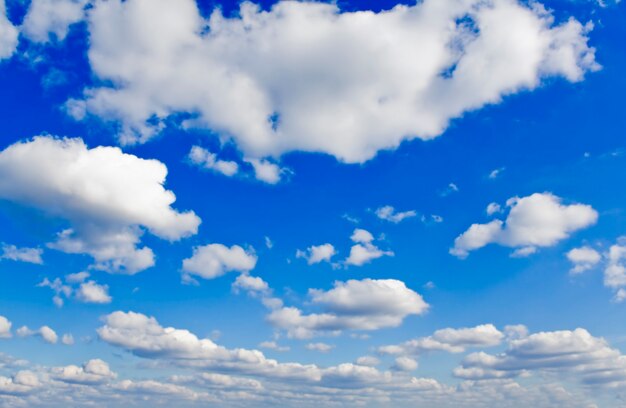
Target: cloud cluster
108	197
305	76
46	333
76	285
538	220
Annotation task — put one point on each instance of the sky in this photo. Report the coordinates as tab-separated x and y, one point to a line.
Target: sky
351	203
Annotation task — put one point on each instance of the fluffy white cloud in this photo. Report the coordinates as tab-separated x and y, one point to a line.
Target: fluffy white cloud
91	292
303	76
574	352
615	271
388	213
5	328
449	340
538	220
364	251
405	364
8	34
107	196
21	383
366	304
317	253
583	258
47	18
92	372
67	339
46	333
266	171
214	260
272	345
30	255
250	284
205	159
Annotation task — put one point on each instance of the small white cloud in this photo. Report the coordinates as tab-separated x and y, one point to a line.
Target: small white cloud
266	171
405	364
205	159
272	345
538	220
76	277
493	208
30	255
495	173
388	213
91	292
317	253
364	251
5	328
45	332
321	347
583	259
47	19
67	339
214	260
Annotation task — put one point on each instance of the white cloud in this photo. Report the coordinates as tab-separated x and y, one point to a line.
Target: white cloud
107	196
8	34
250	284
615	271
91	292
449	340
321	347
303	76
364	251
21	383
369	361
574	352
266	171
405	364
78	277
46	333
67	339
388	213
5	328
366	304
48	19
317	253
495	173
60	290
493	208
214	260
30	255
203	158
538	220
272	345
583	258
92	372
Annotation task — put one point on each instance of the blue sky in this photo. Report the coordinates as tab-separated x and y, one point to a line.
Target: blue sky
296	203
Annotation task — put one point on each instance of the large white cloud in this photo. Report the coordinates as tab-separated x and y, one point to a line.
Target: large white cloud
48	19
214	260
575	352
108	197
538	220
8	34
305	76
366	304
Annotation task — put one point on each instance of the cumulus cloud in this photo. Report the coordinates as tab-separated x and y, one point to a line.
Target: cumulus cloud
205	159
46	333
92	372
304	76
366	304
574	352
317	253
449	340
388	213
51	19
405	364
91	292
364	251
21	383
250	284
272	345
30	255
583	258
107	196
538	220
5	328
8	34
214	260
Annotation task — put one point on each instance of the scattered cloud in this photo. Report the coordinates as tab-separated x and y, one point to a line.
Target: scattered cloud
317	253
388	213
214	260
583	259
30	255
